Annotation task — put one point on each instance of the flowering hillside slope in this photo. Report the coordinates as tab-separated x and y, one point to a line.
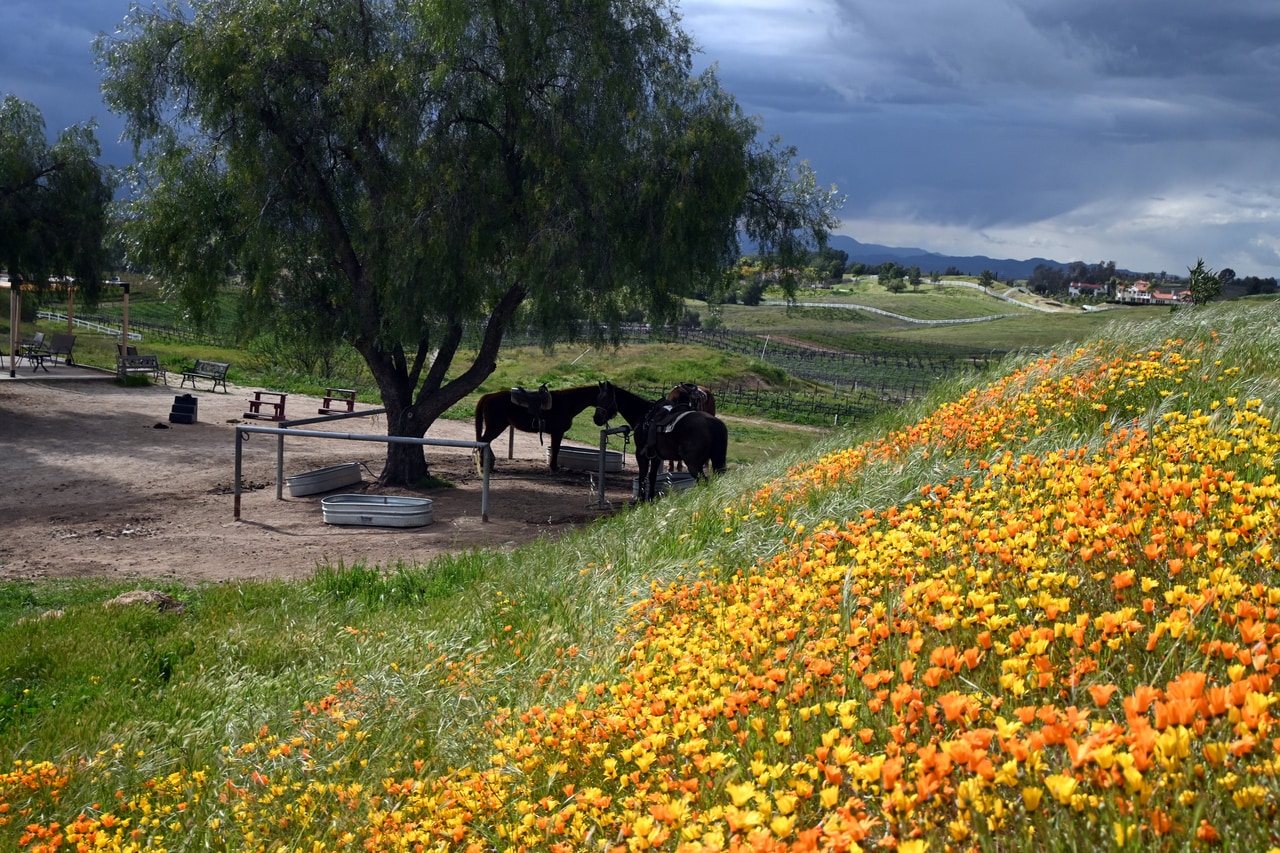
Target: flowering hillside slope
1063	634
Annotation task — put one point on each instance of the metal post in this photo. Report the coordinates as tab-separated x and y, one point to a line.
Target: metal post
124	322
604	446
15	326
236	489
280	467
487	455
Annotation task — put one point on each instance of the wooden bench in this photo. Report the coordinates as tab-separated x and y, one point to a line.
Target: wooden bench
338	401
214	370
272	400
141	364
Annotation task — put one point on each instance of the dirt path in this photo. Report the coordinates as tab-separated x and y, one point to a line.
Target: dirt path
99	483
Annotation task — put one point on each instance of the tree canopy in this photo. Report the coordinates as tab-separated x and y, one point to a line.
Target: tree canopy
54	199
394	170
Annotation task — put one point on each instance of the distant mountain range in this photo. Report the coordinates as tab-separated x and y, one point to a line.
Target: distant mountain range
872	254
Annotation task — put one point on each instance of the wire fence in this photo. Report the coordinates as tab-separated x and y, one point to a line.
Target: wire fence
793	407
859	381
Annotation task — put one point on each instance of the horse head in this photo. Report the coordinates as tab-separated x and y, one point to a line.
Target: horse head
606	404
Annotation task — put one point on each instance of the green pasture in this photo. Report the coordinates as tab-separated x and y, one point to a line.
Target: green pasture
1034	331
927	302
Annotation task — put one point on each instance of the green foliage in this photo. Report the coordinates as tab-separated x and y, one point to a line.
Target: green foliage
53	201
1203	283
134	380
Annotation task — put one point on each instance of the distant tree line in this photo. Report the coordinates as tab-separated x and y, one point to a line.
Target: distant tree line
1055	280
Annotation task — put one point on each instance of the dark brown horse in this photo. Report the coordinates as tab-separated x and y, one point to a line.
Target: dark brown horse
695	439
696	397
496	411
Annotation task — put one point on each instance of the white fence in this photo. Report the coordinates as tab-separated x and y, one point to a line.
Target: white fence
85	324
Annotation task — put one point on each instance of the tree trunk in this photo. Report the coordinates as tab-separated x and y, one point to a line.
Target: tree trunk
406	463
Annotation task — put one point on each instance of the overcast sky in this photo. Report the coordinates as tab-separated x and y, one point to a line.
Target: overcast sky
1145	132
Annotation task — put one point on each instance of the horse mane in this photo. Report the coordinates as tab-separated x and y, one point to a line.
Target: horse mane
631	406
631	396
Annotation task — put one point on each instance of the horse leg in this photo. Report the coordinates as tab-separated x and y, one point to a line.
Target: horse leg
556	438
642	477
485	432
648	469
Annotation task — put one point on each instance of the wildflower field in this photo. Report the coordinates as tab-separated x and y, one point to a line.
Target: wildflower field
1038	614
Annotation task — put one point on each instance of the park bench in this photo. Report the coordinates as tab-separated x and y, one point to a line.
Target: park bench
141	364
213	370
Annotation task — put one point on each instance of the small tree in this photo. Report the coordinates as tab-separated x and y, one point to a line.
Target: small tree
1203	283
53	201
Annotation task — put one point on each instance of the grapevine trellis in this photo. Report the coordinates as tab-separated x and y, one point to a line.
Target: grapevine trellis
854	384
859	383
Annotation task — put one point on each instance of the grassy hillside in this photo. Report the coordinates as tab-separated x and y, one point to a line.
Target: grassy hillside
1038	613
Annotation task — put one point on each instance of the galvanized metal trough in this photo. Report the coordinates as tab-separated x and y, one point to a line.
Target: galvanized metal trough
377	510
667	482
324	479
588	459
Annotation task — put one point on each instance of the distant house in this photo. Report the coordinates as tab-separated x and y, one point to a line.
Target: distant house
1084	288
1137	293
1145	293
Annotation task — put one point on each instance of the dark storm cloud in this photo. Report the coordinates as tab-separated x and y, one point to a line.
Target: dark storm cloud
1141	131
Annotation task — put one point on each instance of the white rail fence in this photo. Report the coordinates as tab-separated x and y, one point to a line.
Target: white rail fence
85	324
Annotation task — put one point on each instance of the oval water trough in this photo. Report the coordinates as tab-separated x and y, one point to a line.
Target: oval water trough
377	510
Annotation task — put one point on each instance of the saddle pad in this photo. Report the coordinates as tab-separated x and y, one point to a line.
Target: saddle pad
540	399
670	425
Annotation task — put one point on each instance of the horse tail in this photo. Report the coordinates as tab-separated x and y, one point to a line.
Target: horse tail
719	445
480	415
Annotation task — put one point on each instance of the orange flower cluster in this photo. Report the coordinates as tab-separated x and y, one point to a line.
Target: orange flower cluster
1039	651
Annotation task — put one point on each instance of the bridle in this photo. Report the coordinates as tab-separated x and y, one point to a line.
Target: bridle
611	406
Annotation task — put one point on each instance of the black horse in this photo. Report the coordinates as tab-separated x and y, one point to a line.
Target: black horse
496	411
693	396
695	439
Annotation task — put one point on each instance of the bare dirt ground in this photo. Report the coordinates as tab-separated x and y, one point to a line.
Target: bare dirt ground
99	483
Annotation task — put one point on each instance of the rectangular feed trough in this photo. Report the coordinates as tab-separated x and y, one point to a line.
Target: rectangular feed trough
588	459
324	479
667	482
